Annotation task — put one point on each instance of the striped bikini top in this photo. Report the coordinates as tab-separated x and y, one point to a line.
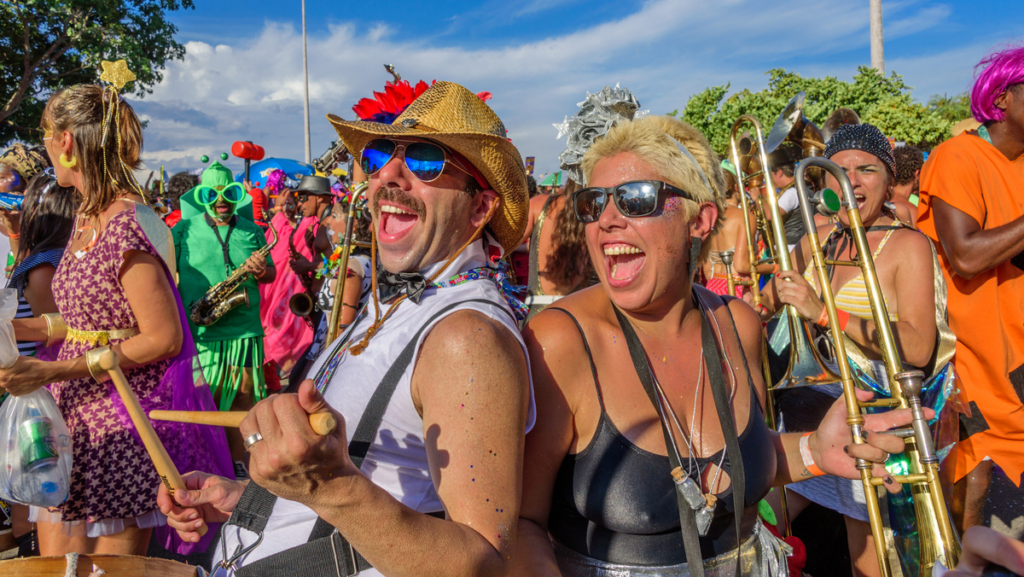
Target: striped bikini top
853	296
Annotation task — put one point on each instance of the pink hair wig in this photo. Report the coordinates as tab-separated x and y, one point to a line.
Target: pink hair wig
1001	71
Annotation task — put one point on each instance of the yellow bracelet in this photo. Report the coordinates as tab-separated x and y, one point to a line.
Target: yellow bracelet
92	360
56	330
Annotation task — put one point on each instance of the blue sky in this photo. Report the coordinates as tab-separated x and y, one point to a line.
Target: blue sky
242	75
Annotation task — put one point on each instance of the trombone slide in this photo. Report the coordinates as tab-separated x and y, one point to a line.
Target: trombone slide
938	540
334	319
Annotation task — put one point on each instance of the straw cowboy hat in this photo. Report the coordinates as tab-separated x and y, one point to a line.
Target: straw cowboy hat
455	117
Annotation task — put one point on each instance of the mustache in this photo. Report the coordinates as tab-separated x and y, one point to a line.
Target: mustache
399	196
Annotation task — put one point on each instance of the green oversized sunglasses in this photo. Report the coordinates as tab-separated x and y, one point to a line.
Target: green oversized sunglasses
233	193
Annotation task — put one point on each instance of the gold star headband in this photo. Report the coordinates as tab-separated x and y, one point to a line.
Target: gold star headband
117	75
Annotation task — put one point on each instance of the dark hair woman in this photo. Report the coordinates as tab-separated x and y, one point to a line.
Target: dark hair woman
47	217
113	289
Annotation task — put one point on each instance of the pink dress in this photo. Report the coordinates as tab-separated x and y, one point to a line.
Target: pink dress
287	336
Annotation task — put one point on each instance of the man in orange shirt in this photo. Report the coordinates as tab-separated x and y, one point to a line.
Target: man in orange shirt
972	203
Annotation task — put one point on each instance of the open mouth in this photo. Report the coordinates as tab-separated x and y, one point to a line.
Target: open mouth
222	208
395	221
860	200
623	262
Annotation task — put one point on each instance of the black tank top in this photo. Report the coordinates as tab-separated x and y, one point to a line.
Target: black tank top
616	502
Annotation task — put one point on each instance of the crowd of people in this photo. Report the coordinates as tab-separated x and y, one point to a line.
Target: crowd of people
627	411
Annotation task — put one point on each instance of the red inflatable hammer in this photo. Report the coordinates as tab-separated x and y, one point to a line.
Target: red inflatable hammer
248	152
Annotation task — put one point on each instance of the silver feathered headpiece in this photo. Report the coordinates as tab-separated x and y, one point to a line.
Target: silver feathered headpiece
598	113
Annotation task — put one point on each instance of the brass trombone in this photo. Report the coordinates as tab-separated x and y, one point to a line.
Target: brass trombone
342	274
805	366
938	540
755	279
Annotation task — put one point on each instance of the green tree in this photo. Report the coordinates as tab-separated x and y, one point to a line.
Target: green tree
952	108
881	100
47	45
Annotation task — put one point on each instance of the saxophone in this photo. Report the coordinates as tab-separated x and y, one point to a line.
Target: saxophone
225	295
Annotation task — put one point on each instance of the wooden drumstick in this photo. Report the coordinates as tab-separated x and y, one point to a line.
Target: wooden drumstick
110	362
322	423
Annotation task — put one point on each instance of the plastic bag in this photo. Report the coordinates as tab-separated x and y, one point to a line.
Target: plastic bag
35	451
8	344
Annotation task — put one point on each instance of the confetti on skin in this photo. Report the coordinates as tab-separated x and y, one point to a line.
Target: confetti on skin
671	207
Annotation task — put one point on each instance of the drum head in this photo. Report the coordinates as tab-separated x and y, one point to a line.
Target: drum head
114	565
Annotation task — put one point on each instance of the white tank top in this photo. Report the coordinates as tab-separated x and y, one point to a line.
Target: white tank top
397	459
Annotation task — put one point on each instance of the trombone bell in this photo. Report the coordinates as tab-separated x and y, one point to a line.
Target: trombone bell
804	365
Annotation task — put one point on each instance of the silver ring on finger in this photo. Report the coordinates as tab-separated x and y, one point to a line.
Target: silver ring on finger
252	440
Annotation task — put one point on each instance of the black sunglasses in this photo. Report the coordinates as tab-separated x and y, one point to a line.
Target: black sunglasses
634	199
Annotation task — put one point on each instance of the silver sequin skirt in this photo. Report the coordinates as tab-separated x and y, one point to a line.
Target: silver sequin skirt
762	555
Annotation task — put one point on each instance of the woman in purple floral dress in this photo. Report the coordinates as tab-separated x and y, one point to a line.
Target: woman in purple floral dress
113	288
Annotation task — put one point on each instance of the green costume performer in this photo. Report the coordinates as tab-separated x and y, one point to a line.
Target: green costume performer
211	246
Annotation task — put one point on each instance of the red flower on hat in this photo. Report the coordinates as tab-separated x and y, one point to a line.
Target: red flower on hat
386	106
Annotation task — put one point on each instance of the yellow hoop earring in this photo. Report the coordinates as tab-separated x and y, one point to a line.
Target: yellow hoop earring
73	162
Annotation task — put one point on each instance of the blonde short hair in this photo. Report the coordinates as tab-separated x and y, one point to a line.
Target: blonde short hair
653	139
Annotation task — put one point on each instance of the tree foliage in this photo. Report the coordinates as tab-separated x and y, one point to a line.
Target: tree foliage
951	108
47	45
880	100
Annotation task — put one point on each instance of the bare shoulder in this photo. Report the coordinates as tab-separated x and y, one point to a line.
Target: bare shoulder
467	345
537	202
554	332
911	243
748	322
558	352
117	207
470	331
912	251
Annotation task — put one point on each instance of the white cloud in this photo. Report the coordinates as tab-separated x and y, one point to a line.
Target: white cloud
664	52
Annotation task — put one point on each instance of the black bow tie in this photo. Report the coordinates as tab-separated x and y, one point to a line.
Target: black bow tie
391	284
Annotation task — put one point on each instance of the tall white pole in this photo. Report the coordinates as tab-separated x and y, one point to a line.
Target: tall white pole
305	80
877	45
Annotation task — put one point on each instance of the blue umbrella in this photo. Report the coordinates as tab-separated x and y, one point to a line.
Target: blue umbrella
259	171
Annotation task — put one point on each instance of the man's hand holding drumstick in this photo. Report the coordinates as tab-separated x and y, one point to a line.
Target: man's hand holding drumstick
287	457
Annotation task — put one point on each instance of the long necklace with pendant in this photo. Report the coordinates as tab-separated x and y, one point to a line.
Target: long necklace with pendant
703	503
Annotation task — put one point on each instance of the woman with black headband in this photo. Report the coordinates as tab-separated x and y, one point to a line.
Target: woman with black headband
914	293
630	470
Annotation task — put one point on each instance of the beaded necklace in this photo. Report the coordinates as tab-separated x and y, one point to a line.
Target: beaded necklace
327	371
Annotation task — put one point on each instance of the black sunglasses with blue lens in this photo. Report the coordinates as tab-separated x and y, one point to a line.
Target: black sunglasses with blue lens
636	198
425	160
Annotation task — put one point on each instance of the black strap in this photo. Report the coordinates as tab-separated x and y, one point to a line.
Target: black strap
327	552
224	242
687	517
